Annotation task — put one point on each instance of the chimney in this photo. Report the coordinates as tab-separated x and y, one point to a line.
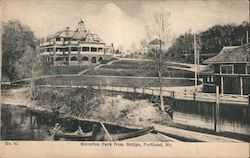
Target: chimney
67	31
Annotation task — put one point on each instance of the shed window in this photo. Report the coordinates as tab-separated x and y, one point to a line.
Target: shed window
226	69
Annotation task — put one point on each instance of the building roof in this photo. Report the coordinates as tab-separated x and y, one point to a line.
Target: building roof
232	54
79	34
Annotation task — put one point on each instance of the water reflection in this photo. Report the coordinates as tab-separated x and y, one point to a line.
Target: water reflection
20	123
200	121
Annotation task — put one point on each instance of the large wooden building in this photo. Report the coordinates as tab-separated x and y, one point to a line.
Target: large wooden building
77	47
230	70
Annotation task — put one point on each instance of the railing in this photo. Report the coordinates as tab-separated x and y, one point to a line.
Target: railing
186	95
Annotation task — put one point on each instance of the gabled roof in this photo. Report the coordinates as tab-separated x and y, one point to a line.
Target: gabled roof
232	54
79	34
63	33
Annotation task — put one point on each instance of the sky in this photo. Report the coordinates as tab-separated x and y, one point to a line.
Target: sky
123	22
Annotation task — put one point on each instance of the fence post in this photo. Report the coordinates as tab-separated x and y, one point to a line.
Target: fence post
173	104
143	90
194	96
217	110
173	93
152	91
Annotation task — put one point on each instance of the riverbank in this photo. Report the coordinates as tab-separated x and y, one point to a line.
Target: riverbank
112	109
134	116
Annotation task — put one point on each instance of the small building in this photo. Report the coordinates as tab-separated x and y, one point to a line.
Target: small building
230	70
77	47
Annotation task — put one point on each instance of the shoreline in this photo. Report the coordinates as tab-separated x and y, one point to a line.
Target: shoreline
168	130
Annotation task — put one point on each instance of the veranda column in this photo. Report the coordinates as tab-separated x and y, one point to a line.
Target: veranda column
241	86
54	56
69	54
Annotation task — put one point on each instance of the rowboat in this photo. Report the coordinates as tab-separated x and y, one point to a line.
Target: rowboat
98	135
71	135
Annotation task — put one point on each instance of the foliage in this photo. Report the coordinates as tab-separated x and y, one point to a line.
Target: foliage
94	104
15	39
218	36
210	41
182	45
76	102
29	64
158	31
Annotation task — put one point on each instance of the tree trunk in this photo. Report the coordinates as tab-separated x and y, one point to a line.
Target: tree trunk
160	79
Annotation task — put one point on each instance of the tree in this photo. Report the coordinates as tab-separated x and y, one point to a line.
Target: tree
181	46
158	29
15	39
210	41
30	64
143	45
133	49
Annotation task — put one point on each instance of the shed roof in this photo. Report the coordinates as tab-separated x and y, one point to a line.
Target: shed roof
232	54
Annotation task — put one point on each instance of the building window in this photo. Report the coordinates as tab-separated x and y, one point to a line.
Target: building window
58	39
66	49
248	69
100	49
59	59
74	48
73	59
66	39
59	49
100	59
49	49
85	59
93	60
227	69
93	49
85	49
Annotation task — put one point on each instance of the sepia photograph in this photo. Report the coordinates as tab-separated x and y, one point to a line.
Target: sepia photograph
110	75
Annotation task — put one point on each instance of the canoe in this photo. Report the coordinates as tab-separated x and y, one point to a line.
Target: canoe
138	133
70	135
90	137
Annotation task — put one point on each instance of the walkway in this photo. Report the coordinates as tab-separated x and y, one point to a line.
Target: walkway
185	93
189	67
96	67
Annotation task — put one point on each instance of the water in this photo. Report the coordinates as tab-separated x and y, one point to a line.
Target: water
22	123
201	122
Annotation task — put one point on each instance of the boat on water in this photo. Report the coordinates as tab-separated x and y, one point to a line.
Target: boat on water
98	133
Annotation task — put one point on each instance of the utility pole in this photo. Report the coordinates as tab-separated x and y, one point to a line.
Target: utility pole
195	62
217	110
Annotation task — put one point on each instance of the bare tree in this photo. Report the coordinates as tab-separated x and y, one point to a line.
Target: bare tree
158	29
